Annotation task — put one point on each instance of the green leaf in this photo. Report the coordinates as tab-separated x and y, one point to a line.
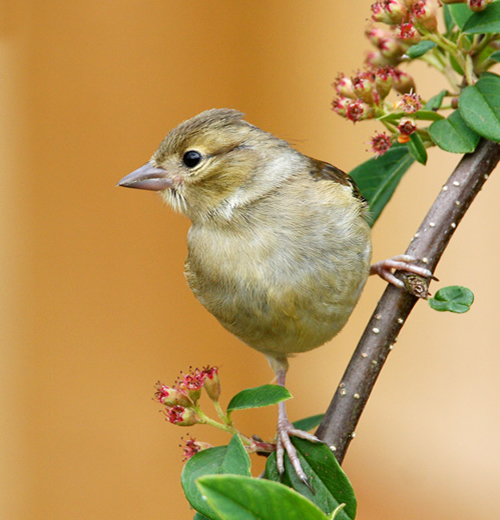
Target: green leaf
330	484
415	51
417	149
309	423
199	516
245	498
258	397
454	135
479	105
456	66
236	461
378	177
436	101
424	115
454	299
232	459
495	56
428	115
484	22
448	20
460	13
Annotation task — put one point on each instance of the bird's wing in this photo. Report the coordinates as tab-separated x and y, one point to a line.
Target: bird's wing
321	170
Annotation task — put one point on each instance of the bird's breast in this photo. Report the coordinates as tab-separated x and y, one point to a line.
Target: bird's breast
279	286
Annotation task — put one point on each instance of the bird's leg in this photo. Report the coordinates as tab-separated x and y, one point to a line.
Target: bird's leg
401	263
283	442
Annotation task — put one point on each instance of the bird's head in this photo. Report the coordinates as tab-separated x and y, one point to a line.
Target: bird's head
213	161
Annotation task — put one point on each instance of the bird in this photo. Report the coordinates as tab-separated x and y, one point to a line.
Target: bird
279	247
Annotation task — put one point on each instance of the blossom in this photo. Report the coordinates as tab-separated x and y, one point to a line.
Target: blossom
406	127
402	81
211	383
181	416
388	11
408	33
358	111
478	5
343	86
380	143
192	446
409	103
171	396
424	16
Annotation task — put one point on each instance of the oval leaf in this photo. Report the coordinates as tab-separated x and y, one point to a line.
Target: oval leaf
448	20
377	178
460	14
309	423
199	516
330	484
232	459
415	51
255	499
479	105
495	56
428	115
436	101
417	149
265	395
454	135
453	299
484	22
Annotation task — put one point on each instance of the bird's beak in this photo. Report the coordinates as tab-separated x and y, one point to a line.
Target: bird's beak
147	177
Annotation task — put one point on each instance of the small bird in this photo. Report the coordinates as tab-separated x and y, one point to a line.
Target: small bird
279	248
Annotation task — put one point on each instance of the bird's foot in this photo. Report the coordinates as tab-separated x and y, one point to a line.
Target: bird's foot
385	268
283	443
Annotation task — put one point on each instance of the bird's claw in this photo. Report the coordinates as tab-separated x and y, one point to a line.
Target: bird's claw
405	263
284	443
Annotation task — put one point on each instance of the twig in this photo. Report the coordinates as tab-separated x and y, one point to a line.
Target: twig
382	330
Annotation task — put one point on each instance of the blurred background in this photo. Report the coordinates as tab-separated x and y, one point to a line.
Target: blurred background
95	308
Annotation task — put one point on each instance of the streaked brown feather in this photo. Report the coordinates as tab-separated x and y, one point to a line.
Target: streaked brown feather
322	170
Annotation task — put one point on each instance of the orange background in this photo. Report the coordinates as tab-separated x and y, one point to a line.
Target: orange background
94	304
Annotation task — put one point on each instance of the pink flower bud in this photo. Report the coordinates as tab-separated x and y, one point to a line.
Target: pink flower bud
388	45
192	383
478	5
383	81
406	127
375	59
390	12
181	416
380	143
358	111
212	382
409	103
424	16
402	82
171	396
339	106
192	446
343	86
363	86
408	34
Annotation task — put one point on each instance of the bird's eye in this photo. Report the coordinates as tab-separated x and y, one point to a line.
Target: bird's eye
192	158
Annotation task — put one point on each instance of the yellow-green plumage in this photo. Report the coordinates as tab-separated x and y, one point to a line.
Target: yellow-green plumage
278	251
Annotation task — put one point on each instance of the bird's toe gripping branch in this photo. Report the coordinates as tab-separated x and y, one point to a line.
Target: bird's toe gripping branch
416	283
283	443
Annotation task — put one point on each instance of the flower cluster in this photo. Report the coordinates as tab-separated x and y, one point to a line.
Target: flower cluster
181	399
191	446
363	96
474	5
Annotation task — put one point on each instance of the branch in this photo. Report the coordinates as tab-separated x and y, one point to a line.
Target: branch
429	243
